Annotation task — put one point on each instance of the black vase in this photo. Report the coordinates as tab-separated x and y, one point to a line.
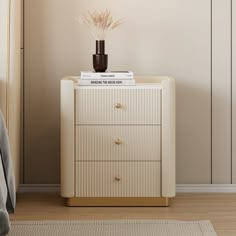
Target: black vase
100	59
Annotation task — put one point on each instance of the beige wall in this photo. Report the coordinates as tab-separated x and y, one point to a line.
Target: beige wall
159	37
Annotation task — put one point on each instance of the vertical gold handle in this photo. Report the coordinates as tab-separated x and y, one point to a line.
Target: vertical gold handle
118	106
118	141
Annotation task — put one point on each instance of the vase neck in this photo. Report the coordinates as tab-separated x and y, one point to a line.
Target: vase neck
100	46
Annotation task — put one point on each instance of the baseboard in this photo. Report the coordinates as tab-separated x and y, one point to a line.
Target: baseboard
180	188
36	188
206	188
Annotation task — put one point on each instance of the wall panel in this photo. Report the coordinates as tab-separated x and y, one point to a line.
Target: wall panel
221	87
4	51
184	51
22	95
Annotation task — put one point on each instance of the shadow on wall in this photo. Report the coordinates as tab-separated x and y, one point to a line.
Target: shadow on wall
193	134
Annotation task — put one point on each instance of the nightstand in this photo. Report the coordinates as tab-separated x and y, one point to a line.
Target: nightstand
118	143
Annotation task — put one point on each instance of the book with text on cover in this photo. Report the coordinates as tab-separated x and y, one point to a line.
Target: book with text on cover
108	82
107	75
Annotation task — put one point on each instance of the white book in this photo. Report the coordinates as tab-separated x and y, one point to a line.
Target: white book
106	82
107	75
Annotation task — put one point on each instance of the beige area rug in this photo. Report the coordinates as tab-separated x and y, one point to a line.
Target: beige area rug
112	228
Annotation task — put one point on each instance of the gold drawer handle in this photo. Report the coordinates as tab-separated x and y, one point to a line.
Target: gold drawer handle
117	178
118	105
118	141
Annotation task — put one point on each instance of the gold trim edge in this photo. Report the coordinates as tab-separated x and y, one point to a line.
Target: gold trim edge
117	201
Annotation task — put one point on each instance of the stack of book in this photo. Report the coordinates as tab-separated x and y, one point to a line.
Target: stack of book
109	78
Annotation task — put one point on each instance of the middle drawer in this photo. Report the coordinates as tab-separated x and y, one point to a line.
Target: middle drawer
117	143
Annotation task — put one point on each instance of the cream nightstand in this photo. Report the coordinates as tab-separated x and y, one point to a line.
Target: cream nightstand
118	143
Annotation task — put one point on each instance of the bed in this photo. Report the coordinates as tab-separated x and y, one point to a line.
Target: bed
10	54
4	217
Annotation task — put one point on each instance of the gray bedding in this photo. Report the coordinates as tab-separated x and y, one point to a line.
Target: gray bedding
7	180
4	218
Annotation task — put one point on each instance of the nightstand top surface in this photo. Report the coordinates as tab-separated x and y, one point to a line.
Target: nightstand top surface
141	81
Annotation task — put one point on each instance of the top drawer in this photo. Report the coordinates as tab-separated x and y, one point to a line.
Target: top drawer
118	105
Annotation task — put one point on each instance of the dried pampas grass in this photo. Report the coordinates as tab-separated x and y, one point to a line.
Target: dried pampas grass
99	23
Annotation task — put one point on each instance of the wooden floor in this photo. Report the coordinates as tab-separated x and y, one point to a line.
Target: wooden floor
220	209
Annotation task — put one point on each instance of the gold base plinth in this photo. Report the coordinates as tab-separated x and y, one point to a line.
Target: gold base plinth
117	201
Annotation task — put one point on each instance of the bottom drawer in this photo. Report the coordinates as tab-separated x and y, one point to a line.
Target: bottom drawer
117	179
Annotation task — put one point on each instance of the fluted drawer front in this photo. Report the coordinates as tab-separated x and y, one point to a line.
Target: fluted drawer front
126	105
117	179
117	143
